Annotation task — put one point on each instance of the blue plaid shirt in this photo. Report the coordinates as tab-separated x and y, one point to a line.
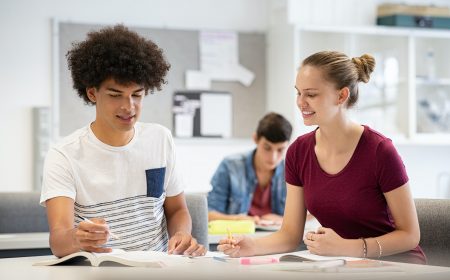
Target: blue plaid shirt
234	183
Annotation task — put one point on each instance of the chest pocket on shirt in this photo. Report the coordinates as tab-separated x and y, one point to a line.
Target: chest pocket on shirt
155	181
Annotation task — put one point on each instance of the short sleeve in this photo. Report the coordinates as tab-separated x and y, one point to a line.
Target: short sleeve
174	181
391	172
292	173
219	195
58	179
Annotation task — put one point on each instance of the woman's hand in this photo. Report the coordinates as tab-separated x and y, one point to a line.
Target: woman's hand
325	242
238	246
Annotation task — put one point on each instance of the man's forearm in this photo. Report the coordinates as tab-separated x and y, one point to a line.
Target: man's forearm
214	215
179	221
62	242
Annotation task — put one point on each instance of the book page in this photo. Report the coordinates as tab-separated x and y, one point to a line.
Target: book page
118	256
69	259
143	258
308	255
113	252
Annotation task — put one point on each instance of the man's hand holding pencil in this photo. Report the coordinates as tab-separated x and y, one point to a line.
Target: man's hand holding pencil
92	234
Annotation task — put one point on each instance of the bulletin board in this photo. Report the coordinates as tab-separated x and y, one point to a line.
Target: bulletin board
181	49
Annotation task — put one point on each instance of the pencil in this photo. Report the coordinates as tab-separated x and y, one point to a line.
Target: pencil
230	237
115	236
229	233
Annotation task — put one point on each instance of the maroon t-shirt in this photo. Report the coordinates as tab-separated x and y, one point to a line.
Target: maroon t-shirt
351	202
261	202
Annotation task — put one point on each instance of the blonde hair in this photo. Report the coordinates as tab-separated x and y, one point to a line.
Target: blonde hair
342	71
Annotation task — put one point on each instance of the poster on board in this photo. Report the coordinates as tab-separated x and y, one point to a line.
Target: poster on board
202	114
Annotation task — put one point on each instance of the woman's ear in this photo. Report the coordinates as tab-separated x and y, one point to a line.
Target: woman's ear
91	94
344	94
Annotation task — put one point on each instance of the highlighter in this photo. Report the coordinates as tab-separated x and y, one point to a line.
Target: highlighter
250	261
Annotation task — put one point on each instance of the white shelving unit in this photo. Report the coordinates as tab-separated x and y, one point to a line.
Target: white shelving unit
408	96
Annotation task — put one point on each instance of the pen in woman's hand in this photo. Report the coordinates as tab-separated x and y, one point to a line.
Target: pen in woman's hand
115	236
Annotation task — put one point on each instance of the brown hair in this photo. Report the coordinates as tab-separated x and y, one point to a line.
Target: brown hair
274	127
118	53
339	69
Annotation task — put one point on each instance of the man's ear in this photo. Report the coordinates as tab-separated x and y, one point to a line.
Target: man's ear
91	94
344	94
255	138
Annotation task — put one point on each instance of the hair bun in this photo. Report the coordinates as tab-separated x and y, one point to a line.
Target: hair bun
365	65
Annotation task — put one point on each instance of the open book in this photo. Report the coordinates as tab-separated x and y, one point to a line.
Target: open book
305	261
295	262
116	258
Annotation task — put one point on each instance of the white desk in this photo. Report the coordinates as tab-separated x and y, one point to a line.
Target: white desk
198	269
24	244
14	241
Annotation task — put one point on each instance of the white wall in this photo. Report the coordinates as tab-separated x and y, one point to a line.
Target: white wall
25	55
198	159
25	76
428	168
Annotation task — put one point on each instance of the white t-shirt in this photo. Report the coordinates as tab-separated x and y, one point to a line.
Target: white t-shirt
124	185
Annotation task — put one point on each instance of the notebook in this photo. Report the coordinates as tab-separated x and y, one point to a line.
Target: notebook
117	257
266	225
239	226
305	261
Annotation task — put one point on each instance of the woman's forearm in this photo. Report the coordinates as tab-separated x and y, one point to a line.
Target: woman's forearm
281	241
391	243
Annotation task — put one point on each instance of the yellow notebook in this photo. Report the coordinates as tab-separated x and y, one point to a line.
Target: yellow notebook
240	226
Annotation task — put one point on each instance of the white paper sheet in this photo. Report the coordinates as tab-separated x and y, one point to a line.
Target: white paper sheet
215	118
197	80
184	125
219	57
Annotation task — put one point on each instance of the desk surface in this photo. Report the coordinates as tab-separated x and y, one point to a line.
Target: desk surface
34	240
198	269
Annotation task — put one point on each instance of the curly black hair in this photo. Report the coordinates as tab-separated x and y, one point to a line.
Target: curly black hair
117	53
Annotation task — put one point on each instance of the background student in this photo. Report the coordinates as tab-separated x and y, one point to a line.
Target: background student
116	172
251	185
347	175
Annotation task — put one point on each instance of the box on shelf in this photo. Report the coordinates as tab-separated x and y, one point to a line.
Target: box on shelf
413	16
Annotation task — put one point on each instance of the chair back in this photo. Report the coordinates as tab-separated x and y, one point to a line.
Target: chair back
21	212
434	221
198	208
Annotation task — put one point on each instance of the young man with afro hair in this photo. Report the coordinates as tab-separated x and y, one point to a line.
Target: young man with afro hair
114	182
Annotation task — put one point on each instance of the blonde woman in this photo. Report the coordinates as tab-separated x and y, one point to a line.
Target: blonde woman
347	175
